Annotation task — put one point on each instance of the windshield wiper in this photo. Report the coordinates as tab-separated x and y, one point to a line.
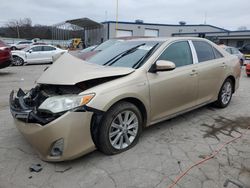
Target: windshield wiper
141	60
119	56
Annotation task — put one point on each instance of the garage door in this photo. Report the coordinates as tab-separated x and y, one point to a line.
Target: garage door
124	33
151	32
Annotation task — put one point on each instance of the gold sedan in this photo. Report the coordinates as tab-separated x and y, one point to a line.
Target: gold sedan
106	102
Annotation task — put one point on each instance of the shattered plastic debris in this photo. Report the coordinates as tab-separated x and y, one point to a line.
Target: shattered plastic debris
35	168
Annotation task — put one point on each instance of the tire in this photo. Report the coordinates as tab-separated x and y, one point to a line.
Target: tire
248	75
114	136
13	48
17	61
225	94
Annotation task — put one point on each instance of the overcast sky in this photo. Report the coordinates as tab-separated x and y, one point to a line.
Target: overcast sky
228	14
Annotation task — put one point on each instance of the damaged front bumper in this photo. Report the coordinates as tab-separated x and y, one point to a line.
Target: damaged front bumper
72	130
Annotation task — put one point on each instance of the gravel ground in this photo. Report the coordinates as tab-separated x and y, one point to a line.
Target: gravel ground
164	150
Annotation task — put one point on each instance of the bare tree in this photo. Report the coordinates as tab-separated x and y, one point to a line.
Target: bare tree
21	27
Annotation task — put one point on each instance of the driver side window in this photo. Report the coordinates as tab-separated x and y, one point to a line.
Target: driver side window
179	53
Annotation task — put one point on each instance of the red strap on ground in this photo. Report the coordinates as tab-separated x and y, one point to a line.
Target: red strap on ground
214	153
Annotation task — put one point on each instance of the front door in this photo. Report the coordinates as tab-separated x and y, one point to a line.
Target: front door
174	91
34	55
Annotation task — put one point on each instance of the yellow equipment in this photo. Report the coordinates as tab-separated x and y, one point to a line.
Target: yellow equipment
76	43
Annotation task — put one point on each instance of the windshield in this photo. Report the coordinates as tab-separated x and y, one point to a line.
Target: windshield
126	54
107	44
26	49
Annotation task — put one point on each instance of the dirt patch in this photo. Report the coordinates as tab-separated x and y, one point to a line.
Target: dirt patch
226	126
5	73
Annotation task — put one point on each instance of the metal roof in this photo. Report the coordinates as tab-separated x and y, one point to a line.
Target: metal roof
173	25
85	23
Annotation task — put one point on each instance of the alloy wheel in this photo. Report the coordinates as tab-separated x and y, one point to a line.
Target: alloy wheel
123	129
226	93
17	61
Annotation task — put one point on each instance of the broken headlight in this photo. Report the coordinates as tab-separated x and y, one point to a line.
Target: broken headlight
62	103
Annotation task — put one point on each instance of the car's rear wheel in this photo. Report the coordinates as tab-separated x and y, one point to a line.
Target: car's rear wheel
120	128
13	48
17	61
225	94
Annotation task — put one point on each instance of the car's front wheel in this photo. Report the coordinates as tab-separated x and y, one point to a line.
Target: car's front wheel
120	128
225	94
17	61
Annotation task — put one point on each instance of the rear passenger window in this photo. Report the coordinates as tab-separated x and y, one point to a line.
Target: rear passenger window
179	53
48	48
217	54
204	51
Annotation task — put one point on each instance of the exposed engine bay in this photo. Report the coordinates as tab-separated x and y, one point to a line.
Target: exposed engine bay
30	101
25	105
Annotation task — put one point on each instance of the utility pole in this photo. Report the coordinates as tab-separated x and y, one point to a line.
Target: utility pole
205	20
17	29
116	25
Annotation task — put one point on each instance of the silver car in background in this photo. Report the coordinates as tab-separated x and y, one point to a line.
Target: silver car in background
235	51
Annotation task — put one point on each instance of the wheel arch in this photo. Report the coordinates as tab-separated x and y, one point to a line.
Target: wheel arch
16	55
97	118
138	103
232	78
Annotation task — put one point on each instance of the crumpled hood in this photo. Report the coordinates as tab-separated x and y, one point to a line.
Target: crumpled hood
69	70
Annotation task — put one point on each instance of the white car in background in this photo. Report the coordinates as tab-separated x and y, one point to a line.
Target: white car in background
36	54
20	45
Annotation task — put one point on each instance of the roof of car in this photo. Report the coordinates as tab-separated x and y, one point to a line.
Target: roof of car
226	47
163	39
43	45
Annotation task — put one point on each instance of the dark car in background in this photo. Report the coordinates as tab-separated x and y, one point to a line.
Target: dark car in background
245	49
5	55
85	55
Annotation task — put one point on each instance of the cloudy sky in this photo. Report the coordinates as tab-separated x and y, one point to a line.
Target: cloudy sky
228	14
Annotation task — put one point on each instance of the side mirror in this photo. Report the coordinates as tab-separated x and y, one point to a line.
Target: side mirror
162	65
30	51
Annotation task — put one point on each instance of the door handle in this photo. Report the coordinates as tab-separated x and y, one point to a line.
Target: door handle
223	65
193	73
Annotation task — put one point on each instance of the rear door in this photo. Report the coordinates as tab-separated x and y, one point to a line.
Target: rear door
48	52
176	90
211	69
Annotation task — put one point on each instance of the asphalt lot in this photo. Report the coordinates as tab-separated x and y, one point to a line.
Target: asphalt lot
164	150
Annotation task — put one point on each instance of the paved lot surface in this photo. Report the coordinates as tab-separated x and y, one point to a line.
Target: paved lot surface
164	150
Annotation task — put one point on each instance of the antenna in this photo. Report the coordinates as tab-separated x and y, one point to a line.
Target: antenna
205	19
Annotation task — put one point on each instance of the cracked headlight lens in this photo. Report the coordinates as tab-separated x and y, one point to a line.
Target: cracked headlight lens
65	102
